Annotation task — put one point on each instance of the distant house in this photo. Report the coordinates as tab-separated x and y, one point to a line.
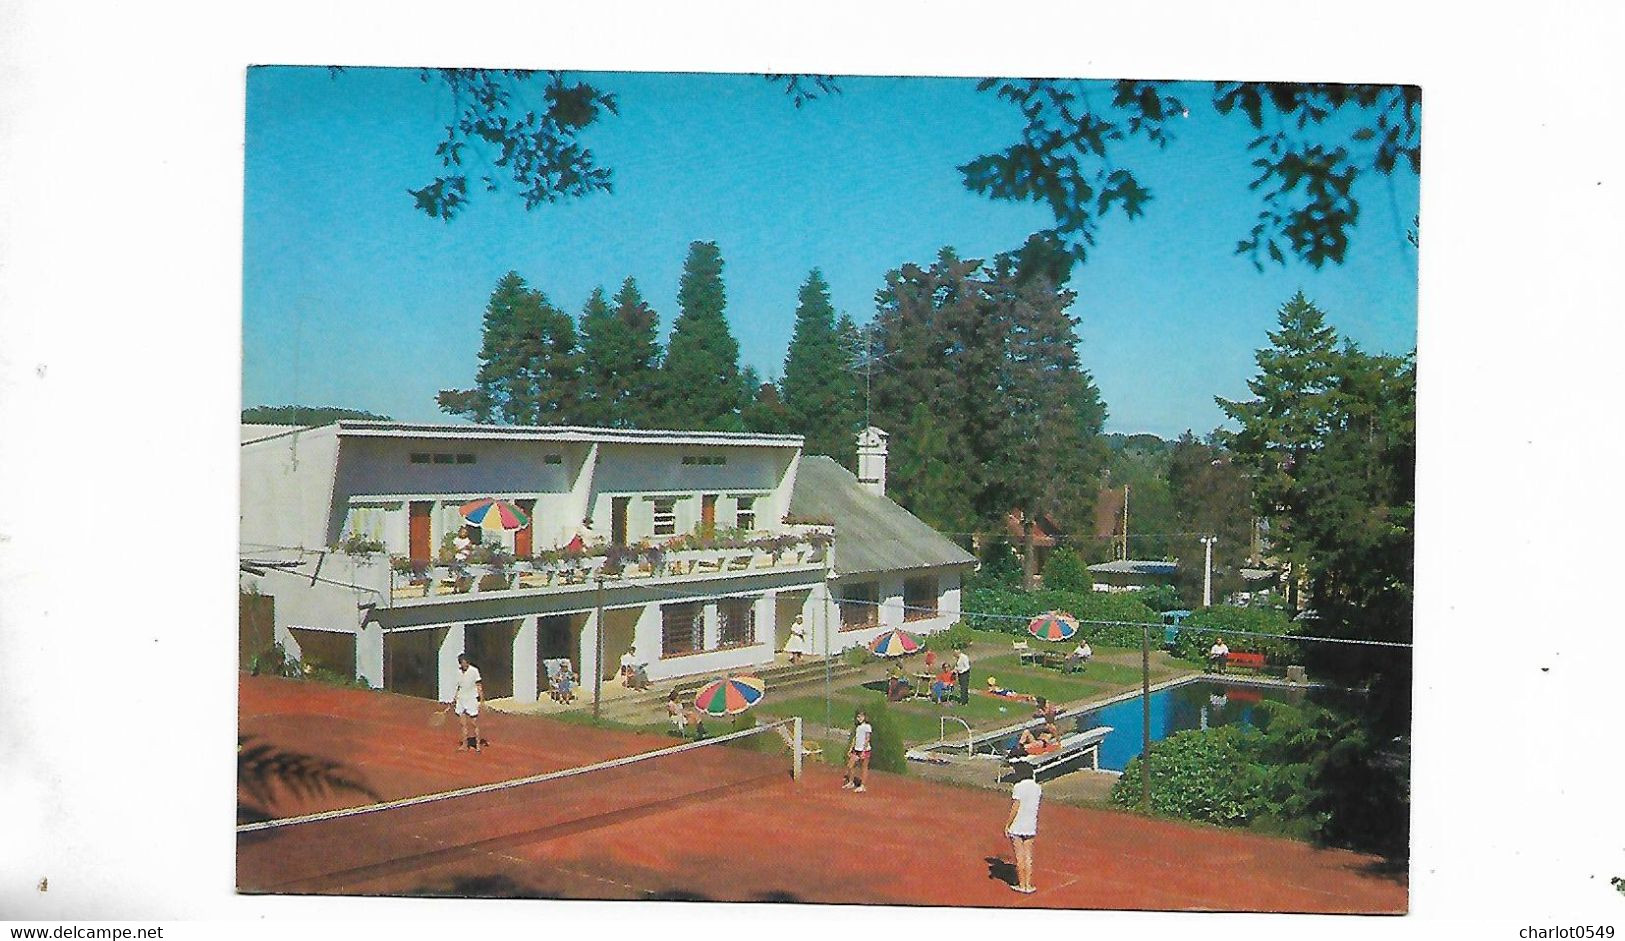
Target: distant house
706	546
1046	536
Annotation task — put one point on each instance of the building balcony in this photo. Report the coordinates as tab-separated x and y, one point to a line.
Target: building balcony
559	571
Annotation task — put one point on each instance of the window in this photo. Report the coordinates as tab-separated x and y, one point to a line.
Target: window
920	598
860	606
745	513
465	458
552	459
444	458
665	516
420	457
704	460
682	629
736	622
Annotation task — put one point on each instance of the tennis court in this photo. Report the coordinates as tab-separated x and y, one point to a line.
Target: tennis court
720	823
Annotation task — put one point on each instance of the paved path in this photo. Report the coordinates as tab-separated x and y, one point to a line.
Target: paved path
756	836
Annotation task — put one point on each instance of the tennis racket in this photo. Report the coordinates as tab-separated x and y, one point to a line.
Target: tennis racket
439	717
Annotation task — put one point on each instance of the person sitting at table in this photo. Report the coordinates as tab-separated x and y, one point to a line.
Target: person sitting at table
897	685
994	689
943	688
1079	656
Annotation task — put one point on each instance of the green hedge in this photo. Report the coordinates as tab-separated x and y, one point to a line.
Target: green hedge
1225	620
1017	607
1203	775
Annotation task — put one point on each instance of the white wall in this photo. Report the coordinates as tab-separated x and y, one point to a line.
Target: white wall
287	483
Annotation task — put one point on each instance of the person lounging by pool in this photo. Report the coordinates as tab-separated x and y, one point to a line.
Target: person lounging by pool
1047	739
994	689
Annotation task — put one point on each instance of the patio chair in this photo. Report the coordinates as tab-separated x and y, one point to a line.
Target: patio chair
1024	653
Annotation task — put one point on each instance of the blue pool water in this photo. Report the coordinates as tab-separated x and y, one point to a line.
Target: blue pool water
1195	705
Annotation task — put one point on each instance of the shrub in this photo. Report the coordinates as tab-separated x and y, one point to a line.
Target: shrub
890	754
959	634
1221	620
1065	571
999	568
1199	775
857	656
1160	598
1008	610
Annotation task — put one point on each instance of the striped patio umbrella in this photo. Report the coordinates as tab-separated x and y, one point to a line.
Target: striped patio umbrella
894	643
728	697
1053	625
493	515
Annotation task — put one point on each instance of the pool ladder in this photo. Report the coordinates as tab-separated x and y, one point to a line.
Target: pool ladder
942	733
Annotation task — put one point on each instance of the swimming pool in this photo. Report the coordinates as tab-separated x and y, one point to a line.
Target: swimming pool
1191	704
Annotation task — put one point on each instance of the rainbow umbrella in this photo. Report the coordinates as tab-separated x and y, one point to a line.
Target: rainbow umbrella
495	515
894	643
729	697
1053	625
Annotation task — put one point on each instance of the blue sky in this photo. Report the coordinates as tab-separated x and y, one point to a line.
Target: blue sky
352	297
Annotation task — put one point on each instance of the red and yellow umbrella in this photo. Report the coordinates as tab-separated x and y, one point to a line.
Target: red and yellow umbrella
1053	625
728	697
493	515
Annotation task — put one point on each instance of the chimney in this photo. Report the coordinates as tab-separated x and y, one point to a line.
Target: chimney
872	460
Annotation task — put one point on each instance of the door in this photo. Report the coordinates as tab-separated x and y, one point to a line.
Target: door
412	661
708	514
490	647
617	520
522	548
420	531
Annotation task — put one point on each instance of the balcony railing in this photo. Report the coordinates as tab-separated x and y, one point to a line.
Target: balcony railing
622	566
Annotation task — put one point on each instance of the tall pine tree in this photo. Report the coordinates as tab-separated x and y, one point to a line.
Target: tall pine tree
818	390
700	384
621	358
529	366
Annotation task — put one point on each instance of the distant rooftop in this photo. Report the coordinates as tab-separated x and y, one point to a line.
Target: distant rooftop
351	428
1134	567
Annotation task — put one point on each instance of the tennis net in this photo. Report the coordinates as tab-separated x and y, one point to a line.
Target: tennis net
345	850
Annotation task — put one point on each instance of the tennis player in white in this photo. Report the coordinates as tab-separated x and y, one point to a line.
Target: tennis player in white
466	701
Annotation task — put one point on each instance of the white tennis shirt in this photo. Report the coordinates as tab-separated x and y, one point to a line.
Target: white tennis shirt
467	695
1026	795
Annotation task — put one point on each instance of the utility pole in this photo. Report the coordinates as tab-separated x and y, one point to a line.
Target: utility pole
1145	718
1125	522
1207	571
598	647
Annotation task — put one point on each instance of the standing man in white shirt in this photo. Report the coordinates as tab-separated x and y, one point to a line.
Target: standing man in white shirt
466	701
857	757
962	670
1022	827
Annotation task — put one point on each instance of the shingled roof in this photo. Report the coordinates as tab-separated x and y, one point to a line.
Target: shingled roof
872	534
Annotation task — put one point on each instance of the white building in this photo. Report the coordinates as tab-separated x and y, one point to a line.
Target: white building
787	535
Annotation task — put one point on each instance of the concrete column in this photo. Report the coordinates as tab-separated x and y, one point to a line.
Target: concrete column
369	654
525	682
891	603
767	621
449	649
589	652
713	627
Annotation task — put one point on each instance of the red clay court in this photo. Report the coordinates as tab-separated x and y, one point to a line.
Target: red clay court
723	823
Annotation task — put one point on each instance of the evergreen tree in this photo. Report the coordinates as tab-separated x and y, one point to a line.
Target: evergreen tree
621	356
818	389
700	383
763	411
529	367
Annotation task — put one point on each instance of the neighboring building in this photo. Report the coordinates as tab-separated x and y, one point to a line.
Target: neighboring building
1046	535
1132	574
799	536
